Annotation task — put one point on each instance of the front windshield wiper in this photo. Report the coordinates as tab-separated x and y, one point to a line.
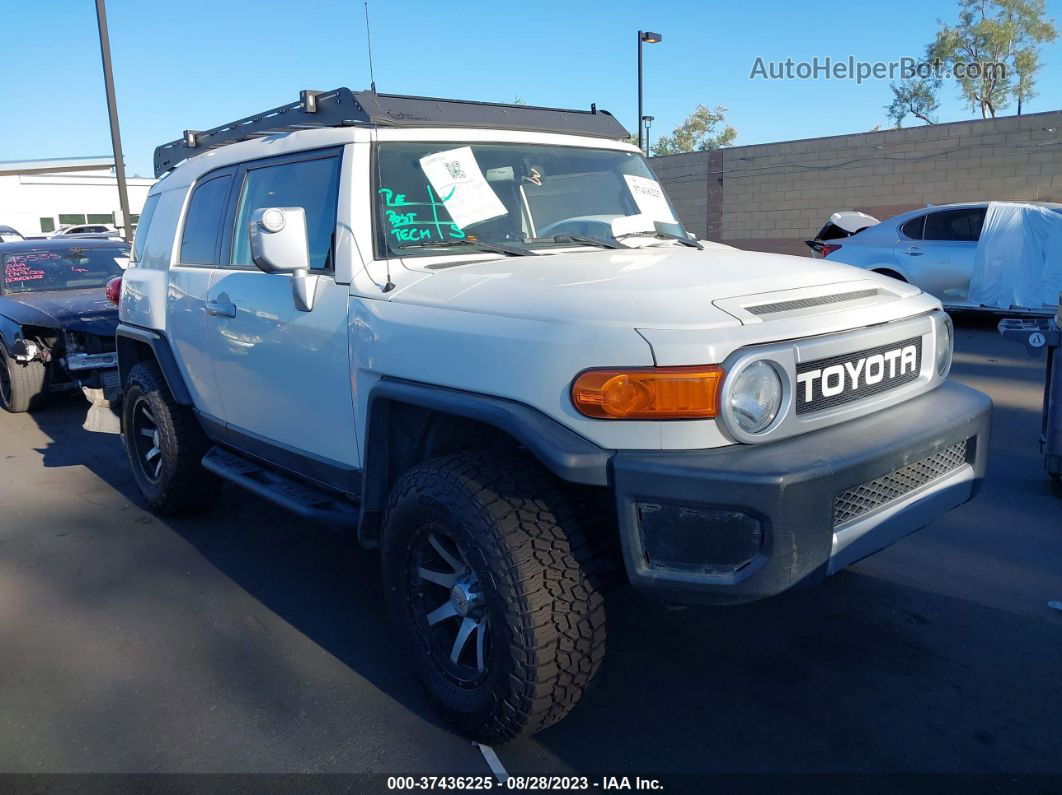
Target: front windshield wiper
686	241
508	249
585	240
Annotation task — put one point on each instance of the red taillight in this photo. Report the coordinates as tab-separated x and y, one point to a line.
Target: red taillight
829	248
114	290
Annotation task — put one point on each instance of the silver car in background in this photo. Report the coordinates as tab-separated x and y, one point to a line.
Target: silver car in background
933	248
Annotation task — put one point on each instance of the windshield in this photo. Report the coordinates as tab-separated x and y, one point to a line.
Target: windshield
434	198
70	268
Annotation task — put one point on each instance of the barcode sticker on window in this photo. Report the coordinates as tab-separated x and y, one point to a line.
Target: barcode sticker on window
459	183
453	167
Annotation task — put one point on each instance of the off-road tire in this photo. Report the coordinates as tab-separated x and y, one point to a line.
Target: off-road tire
25	385
547	621
182	484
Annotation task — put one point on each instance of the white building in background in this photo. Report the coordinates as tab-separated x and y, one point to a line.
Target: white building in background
39	196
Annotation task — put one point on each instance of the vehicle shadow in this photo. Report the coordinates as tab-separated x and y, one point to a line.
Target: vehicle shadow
856	675
315	578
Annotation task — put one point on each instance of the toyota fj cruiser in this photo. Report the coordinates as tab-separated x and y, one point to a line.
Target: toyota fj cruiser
479	336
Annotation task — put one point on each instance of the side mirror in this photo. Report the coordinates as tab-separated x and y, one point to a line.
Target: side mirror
280	245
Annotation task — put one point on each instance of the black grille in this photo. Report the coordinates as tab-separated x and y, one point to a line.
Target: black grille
862	499
821	402
805	303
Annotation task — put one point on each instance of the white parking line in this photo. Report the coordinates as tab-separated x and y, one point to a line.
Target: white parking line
494	763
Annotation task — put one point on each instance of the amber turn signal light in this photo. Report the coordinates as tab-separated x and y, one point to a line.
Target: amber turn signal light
649	393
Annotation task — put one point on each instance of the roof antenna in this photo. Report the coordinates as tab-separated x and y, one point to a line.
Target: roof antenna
368	41
374	133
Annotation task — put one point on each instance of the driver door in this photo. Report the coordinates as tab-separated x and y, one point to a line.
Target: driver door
283	374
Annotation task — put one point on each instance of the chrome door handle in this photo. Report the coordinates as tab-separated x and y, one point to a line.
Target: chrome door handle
912	252
219	309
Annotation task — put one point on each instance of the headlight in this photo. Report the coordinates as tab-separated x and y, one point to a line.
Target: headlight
756	397
945	346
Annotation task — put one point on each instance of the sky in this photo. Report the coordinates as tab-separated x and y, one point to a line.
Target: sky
197	65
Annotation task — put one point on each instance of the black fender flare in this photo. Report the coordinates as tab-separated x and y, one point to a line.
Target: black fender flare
559	449
129	341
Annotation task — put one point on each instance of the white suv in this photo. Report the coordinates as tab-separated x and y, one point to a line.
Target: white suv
348	306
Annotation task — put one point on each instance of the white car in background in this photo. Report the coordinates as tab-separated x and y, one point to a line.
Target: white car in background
935	248
8	234
85	229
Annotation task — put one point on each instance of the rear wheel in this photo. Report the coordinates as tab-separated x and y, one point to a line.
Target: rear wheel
22	384
486	581
165	445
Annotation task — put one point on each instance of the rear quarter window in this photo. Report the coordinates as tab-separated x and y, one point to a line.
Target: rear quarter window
913	229
143	226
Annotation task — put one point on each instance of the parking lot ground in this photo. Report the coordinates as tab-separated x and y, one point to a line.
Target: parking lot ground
244	640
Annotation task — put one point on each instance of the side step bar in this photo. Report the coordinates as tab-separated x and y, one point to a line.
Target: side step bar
308	501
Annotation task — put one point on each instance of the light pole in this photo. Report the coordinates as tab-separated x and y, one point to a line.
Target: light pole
112	111
644	37
647	122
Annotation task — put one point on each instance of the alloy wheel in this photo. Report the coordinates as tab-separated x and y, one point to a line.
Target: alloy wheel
147	441
449	606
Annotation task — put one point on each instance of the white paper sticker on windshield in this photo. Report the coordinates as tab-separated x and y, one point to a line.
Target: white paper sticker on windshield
461	186
650	198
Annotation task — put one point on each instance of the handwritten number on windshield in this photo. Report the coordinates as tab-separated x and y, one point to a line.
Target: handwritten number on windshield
406	225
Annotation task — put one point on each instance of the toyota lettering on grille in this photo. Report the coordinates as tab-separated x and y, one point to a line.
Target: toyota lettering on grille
834	381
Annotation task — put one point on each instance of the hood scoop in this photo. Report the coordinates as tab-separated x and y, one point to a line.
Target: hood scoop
804	302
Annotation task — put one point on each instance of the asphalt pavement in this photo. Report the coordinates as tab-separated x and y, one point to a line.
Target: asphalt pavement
244	640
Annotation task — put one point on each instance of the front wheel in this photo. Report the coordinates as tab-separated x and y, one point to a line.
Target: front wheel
23	385
165	445
485	573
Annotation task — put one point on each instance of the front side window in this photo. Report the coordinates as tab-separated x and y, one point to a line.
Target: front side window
431	196
310	184
957	225
69	268
202	222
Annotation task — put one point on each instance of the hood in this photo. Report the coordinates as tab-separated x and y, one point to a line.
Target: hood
671	287
85	310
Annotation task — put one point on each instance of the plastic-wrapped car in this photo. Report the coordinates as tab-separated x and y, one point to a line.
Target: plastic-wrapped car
980	255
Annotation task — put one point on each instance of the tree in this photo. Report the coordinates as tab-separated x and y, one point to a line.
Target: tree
993	50
1026	64
697	133
916	97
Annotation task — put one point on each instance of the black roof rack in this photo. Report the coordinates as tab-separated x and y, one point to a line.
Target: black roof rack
343	107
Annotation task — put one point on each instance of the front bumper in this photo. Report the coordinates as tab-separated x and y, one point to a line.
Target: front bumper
749	521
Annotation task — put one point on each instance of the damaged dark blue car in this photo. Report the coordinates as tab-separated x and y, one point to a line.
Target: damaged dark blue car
56	324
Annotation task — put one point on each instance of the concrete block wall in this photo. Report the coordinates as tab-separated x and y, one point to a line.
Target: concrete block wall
772	197
685	178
